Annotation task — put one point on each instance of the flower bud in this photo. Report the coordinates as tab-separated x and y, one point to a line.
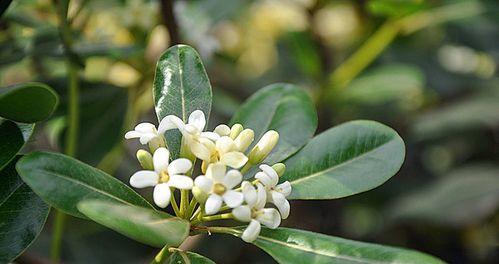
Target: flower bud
156	143
199	194
145	159
222	130
244	140
235	130
279	168
263	147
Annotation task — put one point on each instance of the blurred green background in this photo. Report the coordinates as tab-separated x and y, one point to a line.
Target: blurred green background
426	68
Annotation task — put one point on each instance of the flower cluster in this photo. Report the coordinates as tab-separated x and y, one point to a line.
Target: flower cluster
226	163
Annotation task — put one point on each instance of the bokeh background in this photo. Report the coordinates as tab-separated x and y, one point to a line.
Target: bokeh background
426	68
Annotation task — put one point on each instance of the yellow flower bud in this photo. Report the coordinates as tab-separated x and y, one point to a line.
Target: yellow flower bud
263	147
279	168
222	130
235	130
244	140
145	159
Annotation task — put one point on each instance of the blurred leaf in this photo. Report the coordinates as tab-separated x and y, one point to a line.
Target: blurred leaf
11	141
345	160
63	182
27	102
288	245
10	52
478	112
180	257
181	86
395	8
22	214
464	196
305	53
142	224
282	107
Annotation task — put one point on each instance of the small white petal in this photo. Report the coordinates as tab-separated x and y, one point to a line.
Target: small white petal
197	119
261	196
270	217
160	159
284	188
233	198
242	213
204	183
144	178
249	192
145	128
222	130
145	138
132	134
179	166
161	195
232	179
264	179
271	173
224	145
210	135
181	182
199	150
251	232
170	122
216	172
213	204
281	203
234	159
192	129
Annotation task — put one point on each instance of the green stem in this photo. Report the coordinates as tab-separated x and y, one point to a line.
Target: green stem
72	118
191	208
162	255
184	203
246	168
174	203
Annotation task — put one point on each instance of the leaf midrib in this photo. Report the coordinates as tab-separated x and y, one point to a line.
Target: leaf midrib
182	92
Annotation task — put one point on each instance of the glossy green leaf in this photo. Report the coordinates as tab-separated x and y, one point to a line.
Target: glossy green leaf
282	107
27	102
461	198
181	86
345	160
181	257
288	245
22	214
63	182
11	141
145	225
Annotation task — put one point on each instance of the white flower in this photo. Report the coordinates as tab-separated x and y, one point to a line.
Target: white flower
219	184
255	213
164	176
276	193
193	130
223	151
146	132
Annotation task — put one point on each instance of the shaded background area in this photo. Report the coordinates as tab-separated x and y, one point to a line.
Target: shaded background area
426	68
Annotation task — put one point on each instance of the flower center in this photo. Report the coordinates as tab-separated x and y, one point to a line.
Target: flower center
219	188
215	156
255	213
164	177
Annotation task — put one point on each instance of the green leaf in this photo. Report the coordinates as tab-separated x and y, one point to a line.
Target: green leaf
345	160
27	102
181	86
142	224
282	107
463	197
395	8
11	141
181	257
63	182
288	245
22	214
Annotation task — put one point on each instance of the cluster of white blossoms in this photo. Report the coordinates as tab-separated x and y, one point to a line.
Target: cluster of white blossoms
225	159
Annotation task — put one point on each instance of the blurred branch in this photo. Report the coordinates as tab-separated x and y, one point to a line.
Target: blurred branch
170	21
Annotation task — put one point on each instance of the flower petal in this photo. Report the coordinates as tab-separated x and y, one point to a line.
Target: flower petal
234	159
145	138
249	192
145	128
199	150
161	195
132	134
281	203
213	204
179	166
284	188
222	130
232	179
251	232
181	182
216	172
271	173
204	183
210	135
270	217
170	122
225	144
264	179
160	159
261	196
242	213
233	198
197	119
144	178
